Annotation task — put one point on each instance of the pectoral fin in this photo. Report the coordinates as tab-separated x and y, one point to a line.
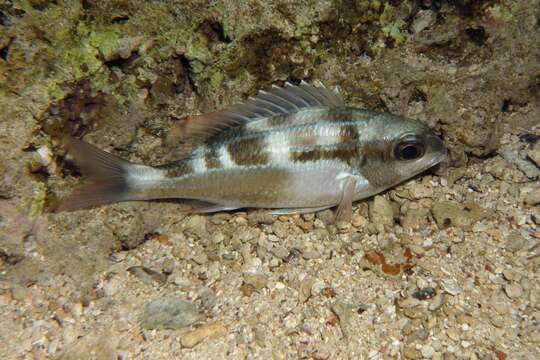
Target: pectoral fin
344	209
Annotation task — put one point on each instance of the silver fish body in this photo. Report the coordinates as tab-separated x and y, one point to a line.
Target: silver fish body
296	148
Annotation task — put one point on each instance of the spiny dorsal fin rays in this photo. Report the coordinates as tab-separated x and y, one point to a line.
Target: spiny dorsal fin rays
277	100
285	96
270	106
273	102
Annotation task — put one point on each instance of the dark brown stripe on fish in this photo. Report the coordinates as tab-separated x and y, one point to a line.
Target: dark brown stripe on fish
349	133
177	168
377	151
248	151
374	167
211	158
345	152
308	137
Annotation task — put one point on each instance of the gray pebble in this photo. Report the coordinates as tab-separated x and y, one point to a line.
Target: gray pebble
447	213
346	312
381	211
534	154
195	226
531	171
423	20
260	217
415	219
280	229
258	281
280	252
169	313
427	351
208	298
515	242
311	254
147	276
513	290
326	216
532	197
200	258
436	302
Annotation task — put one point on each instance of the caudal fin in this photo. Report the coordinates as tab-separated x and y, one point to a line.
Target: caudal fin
107	174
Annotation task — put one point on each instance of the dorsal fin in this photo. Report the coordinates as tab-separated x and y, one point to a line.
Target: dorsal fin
274	102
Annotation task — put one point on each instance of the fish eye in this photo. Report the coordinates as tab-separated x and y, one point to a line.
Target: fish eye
409	148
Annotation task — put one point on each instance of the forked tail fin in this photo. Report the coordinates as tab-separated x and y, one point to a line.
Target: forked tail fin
107	174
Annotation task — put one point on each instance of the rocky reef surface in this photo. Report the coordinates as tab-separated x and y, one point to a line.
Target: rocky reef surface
444	266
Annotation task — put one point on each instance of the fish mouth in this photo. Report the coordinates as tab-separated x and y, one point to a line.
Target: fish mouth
440	151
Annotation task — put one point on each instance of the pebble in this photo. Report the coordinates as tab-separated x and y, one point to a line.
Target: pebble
447	213
346	312
20	293
534	154
252	265
532	197
427	351
208	298
381	211
194	337
91	346
415	219
497	320
311	254
147	276
513	290
260	217
258	281
515	241
421	191
304	289
415	313
451	286
499	303
411	352
531	171
280	229
195	226
280	252
423	20
317	286
169	313
436	302
5	299
200	258
359	221
425	293
326	216
511	275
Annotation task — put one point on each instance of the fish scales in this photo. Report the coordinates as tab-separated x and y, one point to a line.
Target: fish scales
265	146
297	148
302	151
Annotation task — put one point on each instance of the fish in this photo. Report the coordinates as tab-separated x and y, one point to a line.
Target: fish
293	149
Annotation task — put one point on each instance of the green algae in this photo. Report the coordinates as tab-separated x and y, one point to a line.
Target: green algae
37	204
